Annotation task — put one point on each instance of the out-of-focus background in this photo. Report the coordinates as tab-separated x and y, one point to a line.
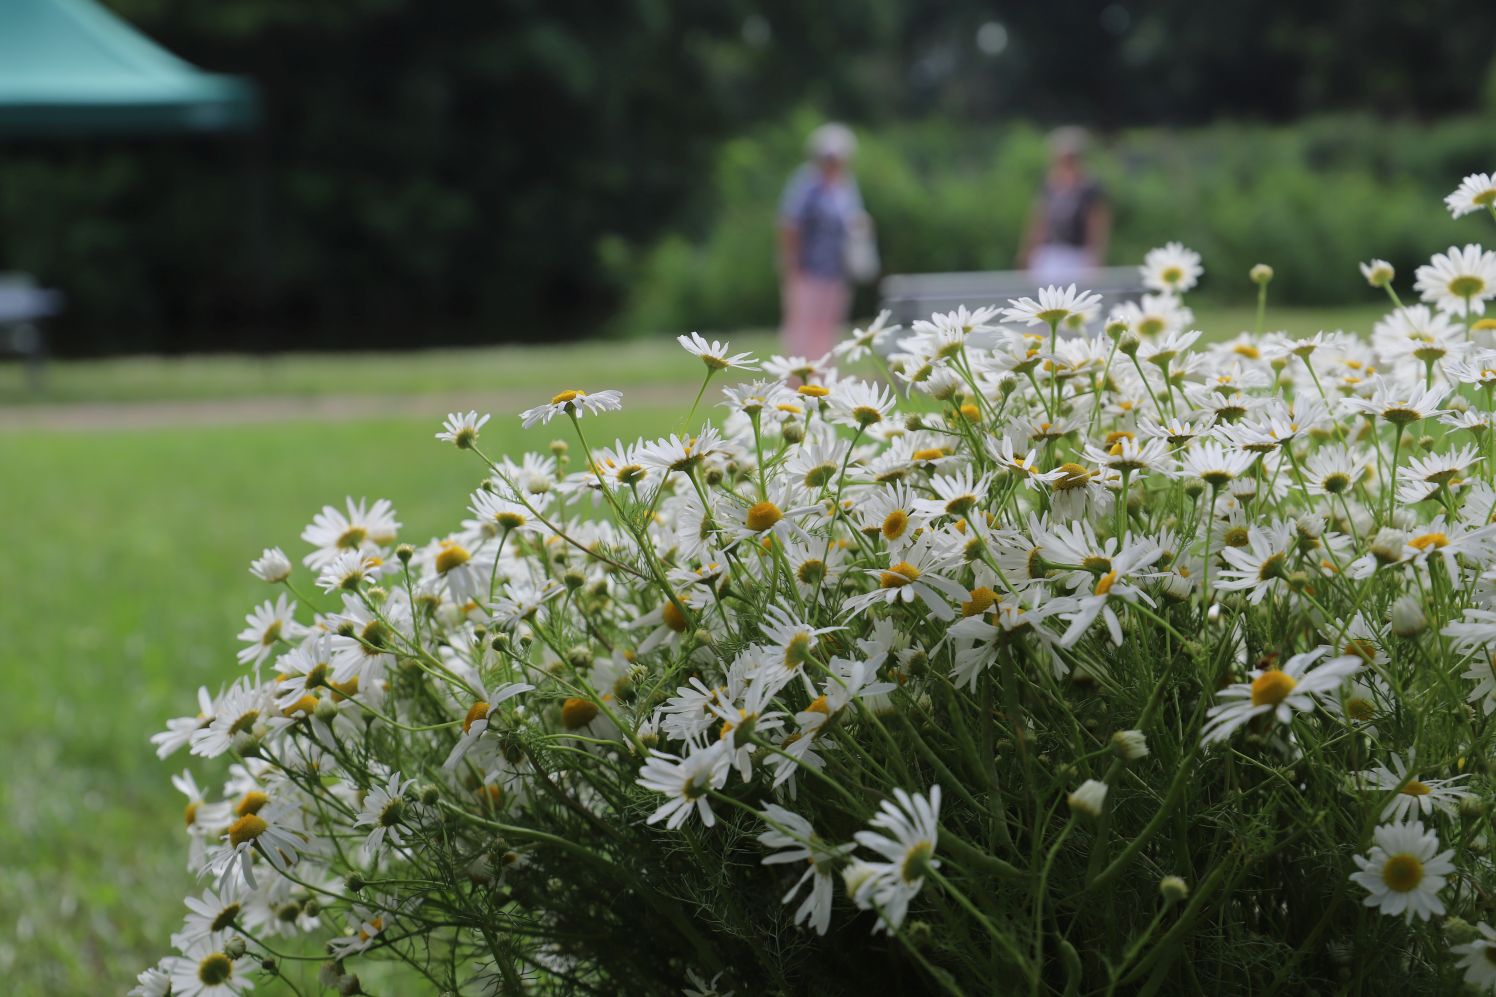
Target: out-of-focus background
254	249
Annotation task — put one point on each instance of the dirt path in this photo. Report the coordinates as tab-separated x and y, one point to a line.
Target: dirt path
329	408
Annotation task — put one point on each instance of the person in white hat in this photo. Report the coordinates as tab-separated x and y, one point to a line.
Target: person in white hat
820	218
1071	220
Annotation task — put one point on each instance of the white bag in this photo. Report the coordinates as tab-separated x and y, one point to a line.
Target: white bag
860	255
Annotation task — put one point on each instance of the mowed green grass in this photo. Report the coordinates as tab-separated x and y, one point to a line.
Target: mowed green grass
596	364
125	582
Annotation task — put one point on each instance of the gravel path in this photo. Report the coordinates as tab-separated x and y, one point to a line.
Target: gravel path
328	408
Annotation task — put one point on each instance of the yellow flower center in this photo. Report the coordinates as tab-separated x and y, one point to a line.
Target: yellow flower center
1466	286
762	516
899	575
929	453
476	712
1416	788
981	600
1360	709
452	555
916	861
570	395
352	538
510	520
894	524
819	705
189	813
246	829
214	970
1272	687
1104	585
577	713
1171	275
673	617
1403	872
1427	540
814	390
251	802
1075	476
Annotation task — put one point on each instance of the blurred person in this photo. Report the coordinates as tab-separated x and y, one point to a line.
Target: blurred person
1071	220
824	235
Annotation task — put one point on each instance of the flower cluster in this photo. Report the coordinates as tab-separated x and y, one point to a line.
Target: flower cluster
1078	648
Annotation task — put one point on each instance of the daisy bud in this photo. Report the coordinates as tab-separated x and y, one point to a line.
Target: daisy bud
1130	345
1378	273
1089	799
1130	745
1194	488
349	986
1426	443
855	874
330	972
1173	889
271	566
560	448
579	656
269	966
405	552
1472	808
354	883
1407	617
1310	526
234	948
1116	328
794	432
1261	274
1387	546
1458	931
310	907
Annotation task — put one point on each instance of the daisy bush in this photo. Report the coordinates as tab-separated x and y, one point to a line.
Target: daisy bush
1058	652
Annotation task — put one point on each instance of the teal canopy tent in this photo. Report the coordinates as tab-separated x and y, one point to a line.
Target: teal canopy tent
72	68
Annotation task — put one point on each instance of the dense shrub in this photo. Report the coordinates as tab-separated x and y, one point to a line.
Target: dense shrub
1306	199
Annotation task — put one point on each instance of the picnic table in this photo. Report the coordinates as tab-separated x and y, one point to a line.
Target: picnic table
911	296
23	306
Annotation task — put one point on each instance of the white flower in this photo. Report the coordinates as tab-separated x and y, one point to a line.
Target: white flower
461	429
574	402
1378	273
1088	799
271	566
1172	268
1296	687
384	811
1413	797
1476	191
1405	871
1478	958
202	970
1055	305
212	916
475	724
268	625
912	826
797	841
1458	280
363	528
914	575
714	354
687	782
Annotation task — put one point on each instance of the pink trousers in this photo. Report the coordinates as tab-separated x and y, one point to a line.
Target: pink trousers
815	310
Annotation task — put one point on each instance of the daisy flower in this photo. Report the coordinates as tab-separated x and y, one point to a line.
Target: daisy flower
363	527
1172	268
461	429
1296	687
864	342
1155	315
271	566
204	971
241	709
475	723
1458	280
915	575
860	404
1412	797
1404	872
1478	958
1475	192
384	810
268	625
797	842
1214	464
211	916
907	830
714	354
687	782
956	494
179	730
574	402
270	831
1054	306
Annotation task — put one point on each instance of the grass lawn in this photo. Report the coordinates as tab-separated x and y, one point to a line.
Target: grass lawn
126	583
601	364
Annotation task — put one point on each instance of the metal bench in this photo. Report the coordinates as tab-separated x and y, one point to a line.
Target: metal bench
23	306
911	296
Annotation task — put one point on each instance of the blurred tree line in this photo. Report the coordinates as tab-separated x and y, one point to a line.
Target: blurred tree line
455	171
